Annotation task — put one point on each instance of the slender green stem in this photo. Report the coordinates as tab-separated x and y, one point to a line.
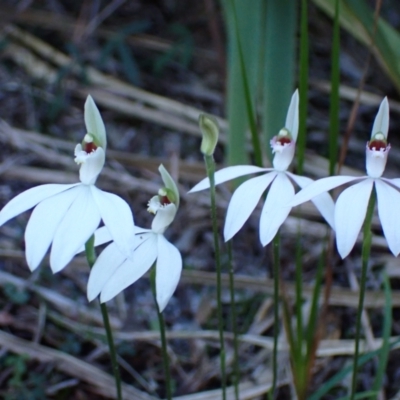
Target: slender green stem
276	245
234	322
366	248
303	86
299	298
210	165
91	259
161	324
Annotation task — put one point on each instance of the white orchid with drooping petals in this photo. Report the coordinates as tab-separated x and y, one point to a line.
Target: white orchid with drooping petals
113	271
277	179
351	205
66	216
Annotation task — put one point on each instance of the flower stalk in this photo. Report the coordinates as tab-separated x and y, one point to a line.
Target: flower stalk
91	259
161	324
236	370
210	166
366	249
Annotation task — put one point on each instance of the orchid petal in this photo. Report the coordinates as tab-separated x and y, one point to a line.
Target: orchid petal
350	211
323	202
393	182
243	202
168	271
381	122
92	166
109	260
276	208
130	271
321	186
169	183
388	200
117	217
165	215
94	123
227	174
75	229
292	117
28	199
43	225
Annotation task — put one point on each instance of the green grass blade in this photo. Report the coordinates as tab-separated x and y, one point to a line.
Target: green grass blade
303	86
334	96
249	22
387	327
247	93
357	18
279	66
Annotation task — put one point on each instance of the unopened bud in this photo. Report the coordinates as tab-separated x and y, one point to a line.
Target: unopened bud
209	129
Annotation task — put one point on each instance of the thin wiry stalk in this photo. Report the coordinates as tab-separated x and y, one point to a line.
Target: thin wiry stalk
366	249
161	324
210	165
91	259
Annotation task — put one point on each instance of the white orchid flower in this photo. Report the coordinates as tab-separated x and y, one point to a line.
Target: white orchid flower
113	271
351	205
277	179
66	216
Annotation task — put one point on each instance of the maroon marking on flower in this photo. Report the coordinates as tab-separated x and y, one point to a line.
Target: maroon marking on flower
89	147
164	200
283	140
377	145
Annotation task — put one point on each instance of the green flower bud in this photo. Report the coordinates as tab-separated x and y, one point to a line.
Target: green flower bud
209	129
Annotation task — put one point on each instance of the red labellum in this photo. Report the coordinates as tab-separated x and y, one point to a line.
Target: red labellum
377	145
89	147
283	140
164	200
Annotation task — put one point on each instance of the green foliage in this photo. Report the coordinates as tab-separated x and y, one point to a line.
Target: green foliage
250	27
23	384
181	51
15	294
357	17
279	65
117	46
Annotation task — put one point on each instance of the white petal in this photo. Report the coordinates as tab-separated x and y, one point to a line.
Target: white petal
388	202
28	199
77	226
92	166
168	271
101	236
130	271
43	224
321	186
394	182
292	117
283	155
244	201
375	161
94	123
163	219
350	211
381	122
117	217
169	183
323	202
226	174
276	208
106	264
